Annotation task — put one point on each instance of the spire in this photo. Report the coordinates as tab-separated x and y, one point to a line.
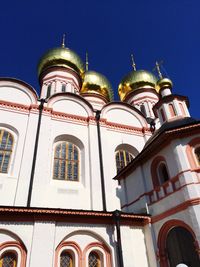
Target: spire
133	62
158	64
86	61
63	41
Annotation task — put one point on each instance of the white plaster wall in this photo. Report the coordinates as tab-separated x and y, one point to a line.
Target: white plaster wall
134	248
18	125
17	93
58	193
125	117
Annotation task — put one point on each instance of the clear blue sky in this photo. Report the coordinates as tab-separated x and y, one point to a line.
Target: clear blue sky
110	30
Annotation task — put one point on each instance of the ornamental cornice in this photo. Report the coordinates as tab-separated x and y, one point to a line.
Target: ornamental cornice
85	216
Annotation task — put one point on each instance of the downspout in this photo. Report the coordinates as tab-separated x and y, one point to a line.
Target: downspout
97	117
116	217
41	106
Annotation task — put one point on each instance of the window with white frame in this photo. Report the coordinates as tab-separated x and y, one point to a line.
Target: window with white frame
6	149
66	161
122	158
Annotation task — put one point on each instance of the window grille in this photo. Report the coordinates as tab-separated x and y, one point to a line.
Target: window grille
6	146
66	259
66	162
8	259
122	158
94	260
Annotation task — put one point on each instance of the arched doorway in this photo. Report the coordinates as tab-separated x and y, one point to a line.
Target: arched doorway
181	248
177	245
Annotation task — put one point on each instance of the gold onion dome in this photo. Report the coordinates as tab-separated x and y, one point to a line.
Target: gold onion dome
61	57
139	79
164	83
96	83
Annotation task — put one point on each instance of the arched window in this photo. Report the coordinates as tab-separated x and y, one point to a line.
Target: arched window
197	154
66	162
143	110
8	259
122	158
162	173
63	87
48	90
94	260
163	115
182	109
66	259
172	110
6	146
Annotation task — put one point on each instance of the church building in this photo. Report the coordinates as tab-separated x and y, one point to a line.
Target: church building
86	181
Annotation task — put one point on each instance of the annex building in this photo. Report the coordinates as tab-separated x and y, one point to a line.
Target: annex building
86	181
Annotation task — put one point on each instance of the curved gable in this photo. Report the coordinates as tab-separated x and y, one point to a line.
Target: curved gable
70	104
16	91
123	114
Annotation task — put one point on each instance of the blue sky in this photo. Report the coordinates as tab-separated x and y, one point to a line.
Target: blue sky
110	30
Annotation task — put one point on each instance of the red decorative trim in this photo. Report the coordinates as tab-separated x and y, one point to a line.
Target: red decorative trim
69	244
175	188
63	69
138	91
96	95
63	78
170	98
146	98
126	128
95	217
14	106
18	245
162	237
62	115
103	247
175	210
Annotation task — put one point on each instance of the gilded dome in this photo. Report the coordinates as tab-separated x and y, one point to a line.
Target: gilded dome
96	83
164	83
61	57
135	80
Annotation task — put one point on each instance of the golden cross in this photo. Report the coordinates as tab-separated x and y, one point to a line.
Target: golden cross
133	62
158	69
86	61
63	41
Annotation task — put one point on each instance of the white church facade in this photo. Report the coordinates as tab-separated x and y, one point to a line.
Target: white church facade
86	181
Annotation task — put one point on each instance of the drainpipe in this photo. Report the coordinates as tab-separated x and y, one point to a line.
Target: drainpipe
97	117
41	106
116	217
